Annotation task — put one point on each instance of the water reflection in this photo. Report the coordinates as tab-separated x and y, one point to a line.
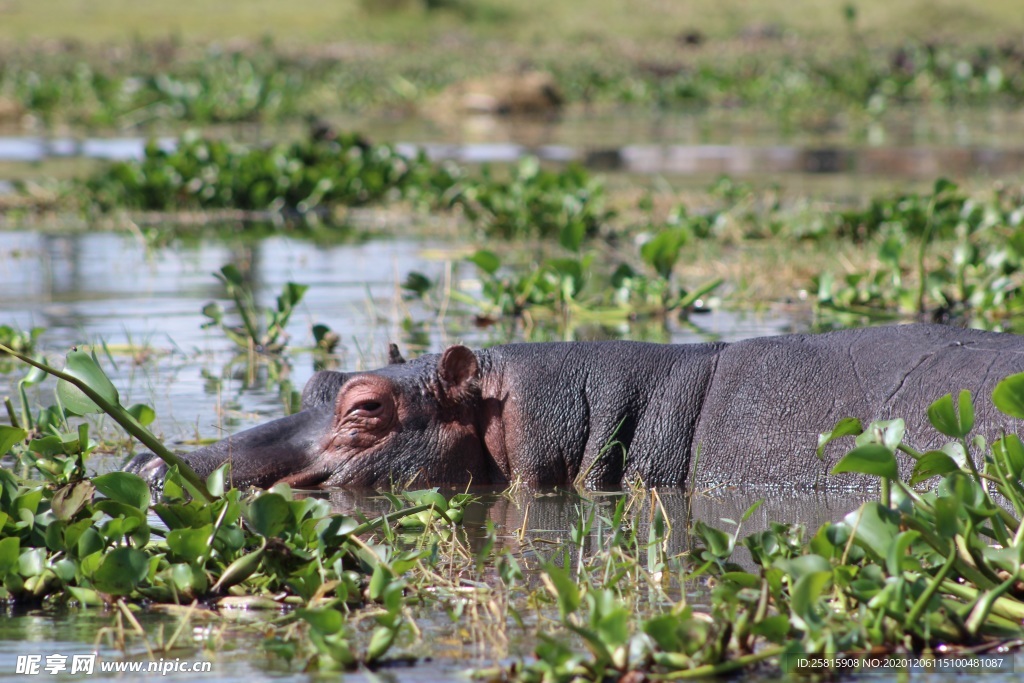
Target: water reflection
522	518
145	304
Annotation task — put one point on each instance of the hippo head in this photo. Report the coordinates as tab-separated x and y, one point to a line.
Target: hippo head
407	423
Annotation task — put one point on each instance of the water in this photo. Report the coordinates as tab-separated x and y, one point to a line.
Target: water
146	305
143	300
445	649
907	144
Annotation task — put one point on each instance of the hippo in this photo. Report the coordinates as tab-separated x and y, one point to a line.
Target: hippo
612	413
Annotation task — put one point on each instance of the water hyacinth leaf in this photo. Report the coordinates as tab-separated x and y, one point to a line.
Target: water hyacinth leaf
875	526
291	295
485	260
215	482
82	366
241	569
190	544
86	596
124	487
774	628
9	436
943	417
947	517
751	510
324	620
564	589
804	565
232	275
1011	451
417	284
1008	396
932	464
897	559
717	542
10	549
380	642
379	581
805	596
662	251
269	514
69	499
873	459
142	413
121	571
848	426
427	497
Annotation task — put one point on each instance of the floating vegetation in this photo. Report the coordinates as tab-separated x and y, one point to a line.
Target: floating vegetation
925	572
164	82
302	177
251	336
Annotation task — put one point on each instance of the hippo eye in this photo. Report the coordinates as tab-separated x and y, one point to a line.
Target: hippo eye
367	408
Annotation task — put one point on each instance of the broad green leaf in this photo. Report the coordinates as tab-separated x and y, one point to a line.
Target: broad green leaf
806	592
9	436
486	261
69	499
142	413
1011	451
897	559
269	514
121	571
848	426
718	543
124	487
232	275
567	593
1008	396
379	581
871	459
774	628
82	366
944	418
190	544
875	526
10	548
800	567
241	569
324	620
380	642
931	464
215	482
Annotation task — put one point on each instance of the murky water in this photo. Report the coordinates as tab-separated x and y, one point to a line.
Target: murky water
144	302
146	305
905	144
533	525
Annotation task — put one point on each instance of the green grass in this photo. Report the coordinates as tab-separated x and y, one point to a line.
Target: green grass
648	24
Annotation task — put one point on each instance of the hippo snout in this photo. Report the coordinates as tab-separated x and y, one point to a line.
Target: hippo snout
148	466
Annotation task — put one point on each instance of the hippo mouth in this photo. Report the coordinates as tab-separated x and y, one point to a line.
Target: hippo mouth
288	450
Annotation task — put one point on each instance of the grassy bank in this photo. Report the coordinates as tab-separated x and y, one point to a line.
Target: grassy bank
401	22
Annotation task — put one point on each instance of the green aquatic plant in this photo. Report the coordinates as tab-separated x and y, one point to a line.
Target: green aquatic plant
568	204
269	337
303	177
940	255
930	573
19	340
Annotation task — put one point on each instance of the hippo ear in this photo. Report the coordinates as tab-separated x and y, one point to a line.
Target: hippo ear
394	355
459	372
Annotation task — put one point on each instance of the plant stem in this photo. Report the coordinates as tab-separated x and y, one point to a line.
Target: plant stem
125	419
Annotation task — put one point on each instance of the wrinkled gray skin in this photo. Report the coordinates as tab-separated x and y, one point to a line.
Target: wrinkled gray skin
605	413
